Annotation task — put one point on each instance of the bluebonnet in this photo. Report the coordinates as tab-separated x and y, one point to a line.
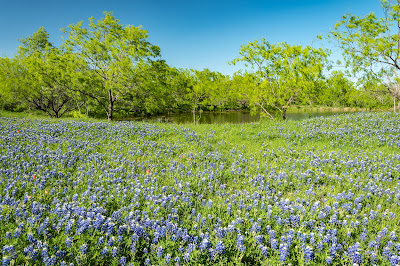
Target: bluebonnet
308	254
264	250
259	239
159	251
114	252
100	241
68	242
205	244
219	247
283	252
104	252
167	258
110	241
83	248
122	261
239	243
186	257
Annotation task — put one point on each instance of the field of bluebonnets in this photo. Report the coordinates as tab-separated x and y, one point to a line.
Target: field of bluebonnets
318	191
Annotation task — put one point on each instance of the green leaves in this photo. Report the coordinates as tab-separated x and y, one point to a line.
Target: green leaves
371	45
111	52
281	73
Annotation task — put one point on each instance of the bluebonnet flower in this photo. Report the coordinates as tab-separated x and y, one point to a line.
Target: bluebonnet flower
308	254
104	252
100	241
357	258
239	243
30	238
122	261
320	246
186	257
274	244
83	248
110	241
387	252
259	239
114	253
219	247
17	232
147	261
205	244
68	242
159	251
6	260
283	252
51	261
167	258
256	227
8	235
264	250
328	260
393	236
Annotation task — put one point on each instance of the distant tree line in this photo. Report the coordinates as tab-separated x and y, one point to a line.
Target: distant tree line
106	69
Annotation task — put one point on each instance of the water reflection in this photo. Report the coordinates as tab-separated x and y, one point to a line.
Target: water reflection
235	117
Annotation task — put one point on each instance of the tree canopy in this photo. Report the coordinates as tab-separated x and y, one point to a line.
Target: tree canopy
105	68
371	45
281	73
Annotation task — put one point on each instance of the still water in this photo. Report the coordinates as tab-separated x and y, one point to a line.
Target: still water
233	117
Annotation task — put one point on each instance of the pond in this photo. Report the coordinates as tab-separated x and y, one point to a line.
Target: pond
233	117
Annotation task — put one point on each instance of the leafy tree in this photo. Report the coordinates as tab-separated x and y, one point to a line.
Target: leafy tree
282	73
337	90
9	85
111	52
371	45
38	75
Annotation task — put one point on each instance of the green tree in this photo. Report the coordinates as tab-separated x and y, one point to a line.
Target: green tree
9	84
337	90
38	75
111	51
280	73
371	45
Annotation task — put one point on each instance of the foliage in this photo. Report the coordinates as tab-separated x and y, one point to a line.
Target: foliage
40	75
371	45
109	68
110	51
282	74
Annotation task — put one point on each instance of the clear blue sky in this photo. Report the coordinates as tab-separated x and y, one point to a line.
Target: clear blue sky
191	34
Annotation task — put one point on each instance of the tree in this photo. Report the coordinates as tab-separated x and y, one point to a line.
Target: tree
9	99
111	51
371	45
38	75
281	73
153	89
337	90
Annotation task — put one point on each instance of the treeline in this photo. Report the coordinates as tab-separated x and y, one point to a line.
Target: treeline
106	69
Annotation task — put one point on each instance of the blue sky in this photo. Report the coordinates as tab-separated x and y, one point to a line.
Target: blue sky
191	34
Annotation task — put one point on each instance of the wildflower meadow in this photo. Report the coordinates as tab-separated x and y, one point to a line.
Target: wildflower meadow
322	191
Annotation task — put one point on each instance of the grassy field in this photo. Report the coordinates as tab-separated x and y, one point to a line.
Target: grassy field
322	191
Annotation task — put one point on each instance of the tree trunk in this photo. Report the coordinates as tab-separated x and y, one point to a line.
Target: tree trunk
284	113
394	104
110	106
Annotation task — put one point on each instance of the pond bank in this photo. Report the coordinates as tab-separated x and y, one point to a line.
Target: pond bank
236	117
